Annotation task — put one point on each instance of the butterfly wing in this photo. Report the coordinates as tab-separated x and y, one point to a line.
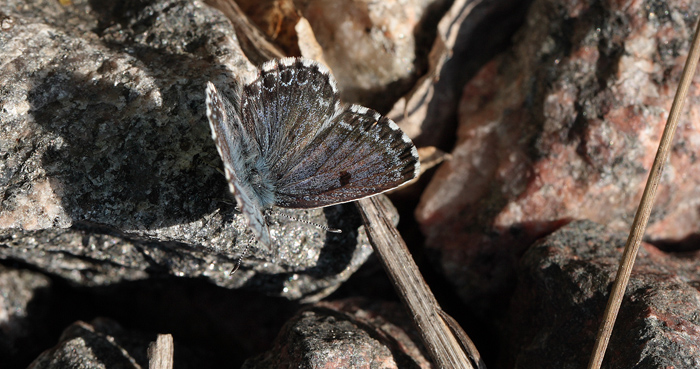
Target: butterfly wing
359	154
290	103
238	152
319	152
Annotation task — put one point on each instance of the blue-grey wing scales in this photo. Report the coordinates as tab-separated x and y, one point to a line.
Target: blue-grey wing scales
287	140
241	158
318	151
360	154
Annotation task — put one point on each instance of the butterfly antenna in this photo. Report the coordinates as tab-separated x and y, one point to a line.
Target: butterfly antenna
327	229
240	259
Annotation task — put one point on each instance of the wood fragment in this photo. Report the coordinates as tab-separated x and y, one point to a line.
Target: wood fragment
443	347
160	352
464	339
256	46
411	111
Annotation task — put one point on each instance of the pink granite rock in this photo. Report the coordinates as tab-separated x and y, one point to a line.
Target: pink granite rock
564	281
565	126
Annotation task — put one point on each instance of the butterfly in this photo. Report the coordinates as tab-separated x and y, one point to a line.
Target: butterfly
286	140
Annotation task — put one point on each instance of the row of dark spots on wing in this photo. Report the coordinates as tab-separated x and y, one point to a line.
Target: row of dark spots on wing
396	153
367	127
396	144
295	71
372	128
320	84
311	74
296	78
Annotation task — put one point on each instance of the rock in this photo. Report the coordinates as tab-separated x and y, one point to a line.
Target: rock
563	284
350	333
107	159
468	35
25	303
565	126
102	343
372	46
91	255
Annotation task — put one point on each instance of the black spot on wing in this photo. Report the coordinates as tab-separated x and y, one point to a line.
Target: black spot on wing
345	178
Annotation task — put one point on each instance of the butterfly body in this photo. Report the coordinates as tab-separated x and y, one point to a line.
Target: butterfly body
286	140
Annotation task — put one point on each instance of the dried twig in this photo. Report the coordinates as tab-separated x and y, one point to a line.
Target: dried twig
411	111
442	345
644	210
464	339
160	352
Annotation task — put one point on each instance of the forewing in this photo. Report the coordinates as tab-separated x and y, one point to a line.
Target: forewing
291	102
233	143
359	154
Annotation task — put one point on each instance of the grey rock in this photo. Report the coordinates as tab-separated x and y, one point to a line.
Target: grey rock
96	345
103	343
107	168
24	314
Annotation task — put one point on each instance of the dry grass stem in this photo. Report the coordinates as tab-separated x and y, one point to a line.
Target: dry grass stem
644	210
